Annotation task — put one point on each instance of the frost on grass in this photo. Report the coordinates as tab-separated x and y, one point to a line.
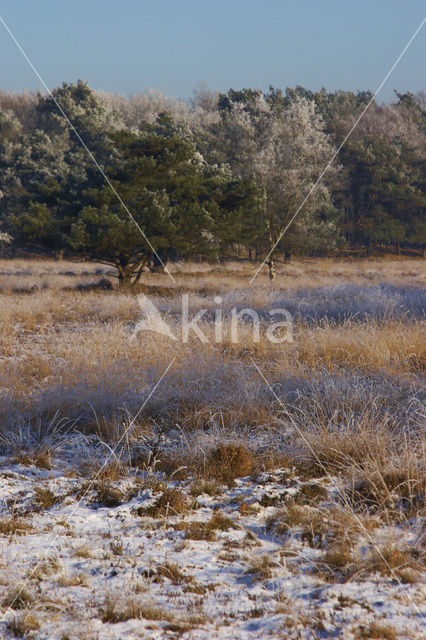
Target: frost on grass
228	508
272	555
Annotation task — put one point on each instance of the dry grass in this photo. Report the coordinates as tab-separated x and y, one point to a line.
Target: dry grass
207	487
395	347
83	551
107	495
46	337
320	526
395	489
349	386
310	493
47	567
378	631
41	459
195	530
44	498
220	522
261	567
26	273
341	561
116	609
72	580
170	502
229	461
392	558
18	597
172	572
24	624
12	525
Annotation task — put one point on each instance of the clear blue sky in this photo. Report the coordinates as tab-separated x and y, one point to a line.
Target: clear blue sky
126	46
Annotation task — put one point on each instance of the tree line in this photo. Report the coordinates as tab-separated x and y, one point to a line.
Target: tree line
218	176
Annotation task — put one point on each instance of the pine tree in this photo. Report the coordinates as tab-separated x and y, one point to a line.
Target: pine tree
179	202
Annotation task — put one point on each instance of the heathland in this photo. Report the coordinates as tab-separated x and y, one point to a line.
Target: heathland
158	488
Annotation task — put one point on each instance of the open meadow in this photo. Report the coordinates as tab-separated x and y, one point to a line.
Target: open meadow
154	487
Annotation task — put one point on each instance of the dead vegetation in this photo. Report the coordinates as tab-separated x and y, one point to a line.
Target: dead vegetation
170	502
342	420
377	631
18	597
107	495
116	610
24	624
229	461
12	525
44	498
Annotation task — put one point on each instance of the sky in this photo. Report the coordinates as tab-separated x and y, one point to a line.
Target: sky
128	46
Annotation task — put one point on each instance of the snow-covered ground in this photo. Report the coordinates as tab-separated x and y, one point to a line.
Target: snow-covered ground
169	560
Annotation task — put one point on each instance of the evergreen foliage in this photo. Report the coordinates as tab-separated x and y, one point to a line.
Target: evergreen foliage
222	173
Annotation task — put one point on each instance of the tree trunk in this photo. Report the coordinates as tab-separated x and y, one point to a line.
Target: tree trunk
398	247
271	267
124	277
124	282
141	269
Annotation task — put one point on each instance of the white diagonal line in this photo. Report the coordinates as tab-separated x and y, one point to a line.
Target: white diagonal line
340	147
92	157
90	484
331	479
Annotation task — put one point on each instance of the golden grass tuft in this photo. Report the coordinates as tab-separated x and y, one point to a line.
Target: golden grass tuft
261	567
220	522
207	487
18	598
228	462
12	525
24	624
195	530
170	502
118	609
377	631
44	498
172	572
107	495
41	459
392	558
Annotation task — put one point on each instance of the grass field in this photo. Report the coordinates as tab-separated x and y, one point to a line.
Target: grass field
157	488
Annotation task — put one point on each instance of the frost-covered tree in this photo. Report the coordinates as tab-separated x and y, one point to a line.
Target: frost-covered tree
48	169
285	148
32	171
5	239
276	145
143	107
56	199
22	105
